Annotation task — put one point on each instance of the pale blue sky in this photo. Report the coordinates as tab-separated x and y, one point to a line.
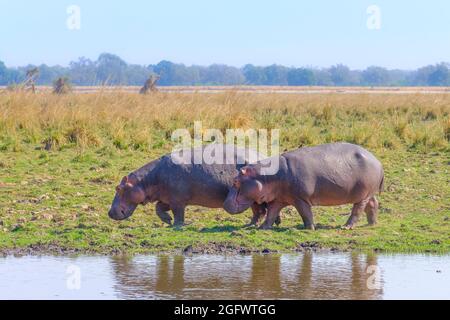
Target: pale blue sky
289	32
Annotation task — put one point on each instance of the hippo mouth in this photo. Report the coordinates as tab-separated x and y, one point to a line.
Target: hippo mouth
119	212
235	203
117	216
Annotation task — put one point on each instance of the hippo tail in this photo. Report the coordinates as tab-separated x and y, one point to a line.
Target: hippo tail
381	188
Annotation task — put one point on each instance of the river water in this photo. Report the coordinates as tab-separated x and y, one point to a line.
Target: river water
285	276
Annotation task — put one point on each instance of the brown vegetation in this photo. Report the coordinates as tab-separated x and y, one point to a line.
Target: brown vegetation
126	120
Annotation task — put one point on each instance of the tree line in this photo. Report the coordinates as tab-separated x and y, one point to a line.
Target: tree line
109	69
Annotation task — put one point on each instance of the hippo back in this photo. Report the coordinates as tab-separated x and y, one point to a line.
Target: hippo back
203	175
343	170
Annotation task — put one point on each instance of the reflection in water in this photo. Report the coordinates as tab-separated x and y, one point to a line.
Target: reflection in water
304	276
294	276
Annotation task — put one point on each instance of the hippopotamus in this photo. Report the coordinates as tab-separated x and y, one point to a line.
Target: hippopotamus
174	182
323	175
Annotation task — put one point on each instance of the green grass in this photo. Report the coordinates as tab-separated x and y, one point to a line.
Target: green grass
59	199
61	157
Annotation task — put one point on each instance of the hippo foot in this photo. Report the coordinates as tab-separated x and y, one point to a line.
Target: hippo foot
250	225
348	227
178	225
310	227
265	227
278	221
181	224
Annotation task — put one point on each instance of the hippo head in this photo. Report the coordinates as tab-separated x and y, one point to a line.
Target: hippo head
246	190
128	195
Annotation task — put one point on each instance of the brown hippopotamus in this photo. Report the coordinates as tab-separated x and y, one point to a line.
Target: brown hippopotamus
324	175
174	182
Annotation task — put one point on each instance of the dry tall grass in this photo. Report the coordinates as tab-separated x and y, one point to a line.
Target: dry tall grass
127	120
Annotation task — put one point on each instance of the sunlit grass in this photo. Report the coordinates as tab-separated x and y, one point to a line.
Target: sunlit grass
130	121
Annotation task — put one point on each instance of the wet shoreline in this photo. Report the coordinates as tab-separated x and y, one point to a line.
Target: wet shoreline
206	249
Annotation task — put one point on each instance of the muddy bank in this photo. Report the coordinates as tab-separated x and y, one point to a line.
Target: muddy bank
208	249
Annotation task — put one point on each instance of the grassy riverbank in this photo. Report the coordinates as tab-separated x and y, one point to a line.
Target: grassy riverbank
61	157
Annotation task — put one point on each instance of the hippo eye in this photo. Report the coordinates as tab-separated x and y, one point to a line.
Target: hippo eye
119	190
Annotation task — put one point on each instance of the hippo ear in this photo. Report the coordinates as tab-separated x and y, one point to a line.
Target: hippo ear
129	180
132	179
248	171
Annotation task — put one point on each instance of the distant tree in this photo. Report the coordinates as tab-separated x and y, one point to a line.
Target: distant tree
196	73
15	76
375	76
440	76
300	77
254	75
111	69
422	75
171	74
276	75
3	74
47	73
432	75
401	77
135	74
340	75
323	77
10	76
219	74
83	72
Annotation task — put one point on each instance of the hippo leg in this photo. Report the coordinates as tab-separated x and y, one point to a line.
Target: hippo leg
371	210
178	214
278	219
304	209
161	212
259	211
357	210
273	214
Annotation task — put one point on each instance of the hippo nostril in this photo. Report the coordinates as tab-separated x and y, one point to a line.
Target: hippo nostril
123	212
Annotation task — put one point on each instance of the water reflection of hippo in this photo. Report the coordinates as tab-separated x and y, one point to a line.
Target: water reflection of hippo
301	276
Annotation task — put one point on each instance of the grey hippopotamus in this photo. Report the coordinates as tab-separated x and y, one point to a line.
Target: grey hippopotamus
324	175
174	182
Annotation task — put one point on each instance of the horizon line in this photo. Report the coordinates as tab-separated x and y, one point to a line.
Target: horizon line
312	67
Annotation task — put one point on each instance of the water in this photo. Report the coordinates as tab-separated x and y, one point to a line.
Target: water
287	276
